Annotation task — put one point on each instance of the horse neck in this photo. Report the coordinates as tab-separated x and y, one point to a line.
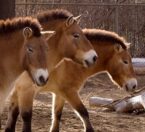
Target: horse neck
52	25
10	66
53	54
53	59
105	52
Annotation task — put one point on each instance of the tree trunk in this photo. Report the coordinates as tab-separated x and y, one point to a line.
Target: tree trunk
7	9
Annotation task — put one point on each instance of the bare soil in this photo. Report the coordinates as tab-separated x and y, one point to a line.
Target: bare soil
101	119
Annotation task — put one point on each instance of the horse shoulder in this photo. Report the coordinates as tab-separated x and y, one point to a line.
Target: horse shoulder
24	83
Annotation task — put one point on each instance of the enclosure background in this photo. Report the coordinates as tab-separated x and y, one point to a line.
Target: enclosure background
126	17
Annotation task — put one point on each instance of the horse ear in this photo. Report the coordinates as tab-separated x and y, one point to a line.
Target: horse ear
127	45
78	18
70	21
27	32
47	34
118	48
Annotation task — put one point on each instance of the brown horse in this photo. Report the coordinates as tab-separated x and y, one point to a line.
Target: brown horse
21	48
113	58
67	77
68	41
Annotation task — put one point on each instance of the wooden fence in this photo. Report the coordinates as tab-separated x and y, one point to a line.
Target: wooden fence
128	20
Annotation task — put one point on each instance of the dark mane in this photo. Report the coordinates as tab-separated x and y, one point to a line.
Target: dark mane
12	25
103	35
55	14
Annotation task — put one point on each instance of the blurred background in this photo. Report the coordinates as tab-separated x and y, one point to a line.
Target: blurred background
126	17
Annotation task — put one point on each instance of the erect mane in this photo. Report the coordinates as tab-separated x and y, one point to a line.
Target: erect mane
103	35
12	25
55	14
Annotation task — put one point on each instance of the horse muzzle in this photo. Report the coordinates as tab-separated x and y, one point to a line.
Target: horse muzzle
130	85
41	77
90	58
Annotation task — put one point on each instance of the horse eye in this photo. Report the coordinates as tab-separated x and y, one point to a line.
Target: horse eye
29	49
76	35
125	62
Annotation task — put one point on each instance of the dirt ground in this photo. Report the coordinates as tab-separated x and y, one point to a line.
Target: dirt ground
102	120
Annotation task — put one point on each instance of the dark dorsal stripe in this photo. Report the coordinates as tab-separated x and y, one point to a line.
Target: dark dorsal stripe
103	35
12	25
55	14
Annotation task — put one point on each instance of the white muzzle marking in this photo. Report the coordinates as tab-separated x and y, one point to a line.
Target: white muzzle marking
41	76
131	85
90	58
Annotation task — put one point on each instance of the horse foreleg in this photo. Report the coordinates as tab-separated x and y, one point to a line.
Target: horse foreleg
12	113
0	122
1	110
75	101
26	117
0	117
25	108
3	96
57	107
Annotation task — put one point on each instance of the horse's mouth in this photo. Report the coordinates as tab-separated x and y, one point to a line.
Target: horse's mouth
41	82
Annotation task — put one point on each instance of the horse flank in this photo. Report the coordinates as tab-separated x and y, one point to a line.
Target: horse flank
12	25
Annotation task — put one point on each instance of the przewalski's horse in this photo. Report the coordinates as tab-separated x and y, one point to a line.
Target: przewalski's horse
21	48
113	57
68	41
67	77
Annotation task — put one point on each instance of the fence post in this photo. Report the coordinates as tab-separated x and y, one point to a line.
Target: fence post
26	8
116	20
7	8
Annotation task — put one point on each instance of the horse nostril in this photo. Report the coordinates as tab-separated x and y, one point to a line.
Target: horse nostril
94	58
134	86
41	79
